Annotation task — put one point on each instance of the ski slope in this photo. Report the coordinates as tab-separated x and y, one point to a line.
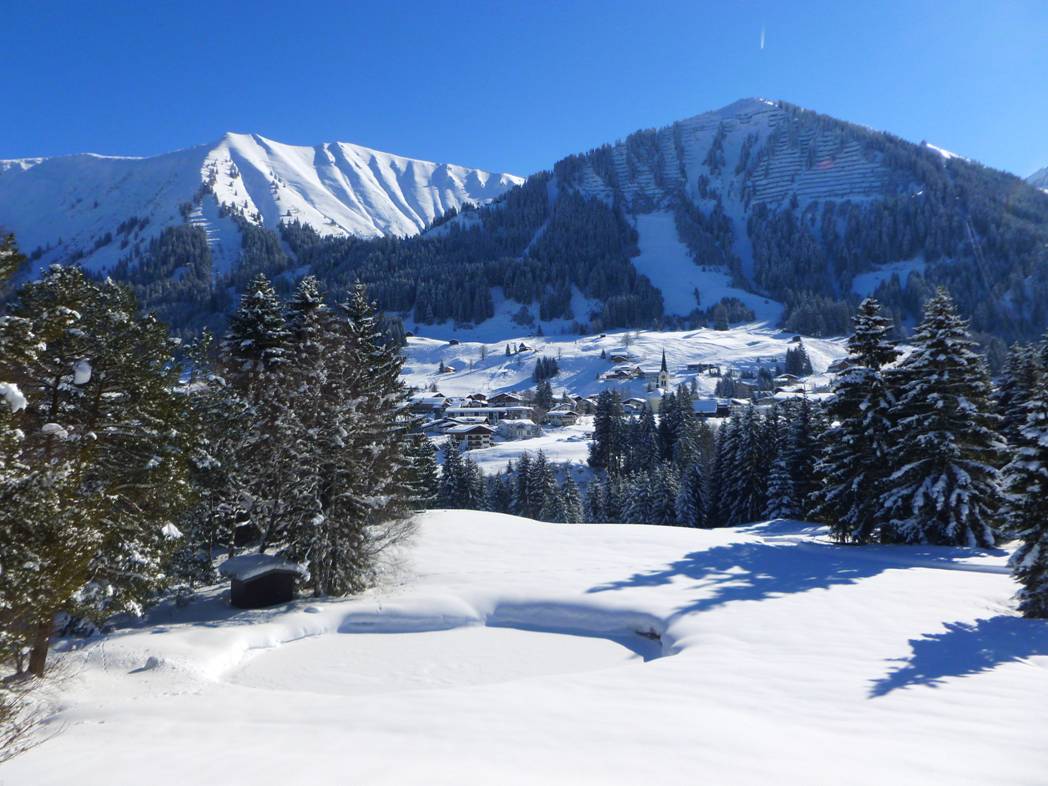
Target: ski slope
501	650
669	265
68	204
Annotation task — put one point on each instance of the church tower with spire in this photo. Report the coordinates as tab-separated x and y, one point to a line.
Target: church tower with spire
664	373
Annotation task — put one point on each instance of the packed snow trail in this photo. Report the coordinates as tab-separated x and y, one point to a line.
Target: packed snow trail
786	661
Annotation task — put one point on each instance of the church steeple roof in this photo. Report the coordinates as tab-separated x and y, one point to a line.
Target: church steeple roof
664	361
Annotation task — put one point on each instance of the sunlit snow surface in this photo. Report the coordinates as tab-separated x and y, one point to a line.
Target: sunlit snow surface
502	651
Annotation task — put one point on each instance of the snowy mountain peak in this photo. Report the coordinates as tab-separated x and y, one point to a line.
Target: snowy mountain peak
74	206
1039	179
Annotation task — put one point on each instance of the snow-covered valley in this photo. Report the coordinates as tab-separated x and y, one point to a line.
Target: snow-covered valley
502	650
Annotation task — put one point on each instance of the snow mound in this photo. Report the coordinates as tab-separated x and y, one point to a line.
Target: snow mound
359	664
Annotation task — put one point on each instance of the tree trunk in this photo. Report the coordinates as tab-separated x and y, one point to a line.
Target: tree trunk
41	644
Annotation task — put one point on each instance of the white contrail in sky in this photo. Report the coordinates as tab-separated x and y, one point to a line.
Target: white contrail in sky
762	37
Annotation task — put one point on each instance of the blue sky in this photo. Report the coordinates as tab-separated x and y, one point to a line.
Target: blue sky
513	86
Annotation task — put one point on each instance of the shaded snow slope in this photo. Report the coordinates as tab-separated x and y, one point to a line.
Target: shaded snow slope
68	204
786	660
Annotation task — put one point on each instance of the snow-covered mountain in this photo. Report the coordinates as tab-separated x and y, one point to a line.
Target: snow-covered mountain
1039	179
93	208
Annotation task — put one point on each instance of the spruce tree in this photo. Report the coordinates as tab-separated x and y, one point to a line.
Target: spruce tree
944	488
645	443
854	457
1026	505
608	445
665	490
746	489
782	497
636	498
691	500
597	501
521	501
569	491
1017	385
543	496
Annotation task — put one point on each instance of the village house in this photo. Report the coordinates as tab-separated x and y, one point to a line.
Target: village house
710	369
518	429
622	373
711	407
562	417
584	406
470	436
430	404
505	400
618	355
634	406
492	414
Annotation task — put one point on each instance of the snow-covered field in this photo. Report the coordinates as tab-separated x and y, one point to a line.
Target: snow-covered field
561	445
500	651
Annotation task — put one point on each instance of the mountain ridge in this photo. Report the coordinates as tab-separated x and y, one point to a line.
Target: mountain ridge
1039	179
760	210
58	206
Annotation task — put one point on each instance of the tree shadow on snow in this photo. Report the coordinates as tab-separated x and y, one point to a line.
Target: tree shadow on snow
965	649
785	562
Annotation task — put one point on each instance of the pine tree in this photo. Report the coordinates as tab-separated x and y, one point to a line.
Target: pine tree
361	451
500	493
569	491
424	473
544	395
450	493
746	484
944	488
256	355
636	498
853	456
543	496
663	499
1026	505
608	445
1017	386
597	501
691	500
802	454
719	505
782	497
105	436
218	429
522	505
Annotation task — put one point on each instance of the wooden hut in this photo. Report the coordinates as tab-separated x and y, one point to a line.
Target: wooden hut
260	580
